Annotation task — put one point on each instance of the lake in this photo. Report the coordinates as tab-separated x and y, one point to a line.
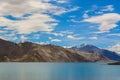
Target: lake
59	71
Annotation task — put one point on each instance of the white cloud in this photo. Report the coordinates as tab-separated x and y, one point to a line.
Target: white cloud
34	23
54	40
85	15
39	20
106	21
86	12
98	10
61	33
75	21
91	26
23	38
10	36
67	32
43	43
59	11
62	1
74	38
115	48
56	34
74	9
94	38
108	8
20	7
72	16
98	32
67	46
117	34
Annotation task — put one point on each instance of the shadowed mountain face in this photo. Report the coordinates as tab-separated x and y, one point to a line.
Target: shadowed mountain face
93	49
31	52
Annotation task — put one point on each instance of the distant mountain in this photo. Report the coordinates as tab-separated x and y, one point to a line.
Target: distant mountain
111	55
115	48
87	48
93	49
31	52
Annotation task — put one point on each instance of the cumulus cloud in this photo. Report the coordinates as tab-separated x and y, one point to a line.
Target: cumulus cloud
106	21
39	18
20	7
115	48
34	23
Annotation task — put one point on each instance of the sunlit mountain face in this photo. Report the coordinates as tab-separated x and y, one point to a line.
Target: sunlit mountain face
61	22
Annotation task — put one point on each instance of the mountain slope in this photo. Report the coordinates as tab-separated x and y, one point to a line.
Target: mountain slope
93	49
31	52
87	48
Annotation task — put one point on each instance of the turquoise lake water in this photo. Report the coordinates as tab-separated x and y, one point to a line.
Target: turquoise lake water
59	71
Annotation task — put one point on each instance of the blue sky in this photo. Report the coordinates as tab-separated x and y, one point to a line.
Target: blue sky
61	22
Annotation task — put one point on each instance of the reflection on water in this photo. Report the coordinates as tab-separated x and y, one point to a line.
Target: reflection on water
58	71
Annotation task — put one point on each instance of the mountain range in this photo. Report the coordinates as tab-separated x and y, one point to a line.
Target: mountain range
93	49
32	52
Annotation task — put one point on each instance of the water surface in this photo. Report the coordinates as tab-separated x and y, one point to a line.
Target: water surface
59	71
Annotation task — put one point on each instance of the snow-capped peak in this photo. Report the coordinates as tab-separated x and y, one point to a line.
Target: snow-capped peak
85	44
80	46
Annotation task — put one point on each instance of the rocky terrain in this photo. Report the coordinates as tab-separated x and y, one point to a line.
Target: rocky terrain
31	52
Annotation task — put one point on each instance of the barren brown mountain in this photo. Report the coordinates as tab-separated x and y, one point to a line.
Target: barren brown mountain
31	52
